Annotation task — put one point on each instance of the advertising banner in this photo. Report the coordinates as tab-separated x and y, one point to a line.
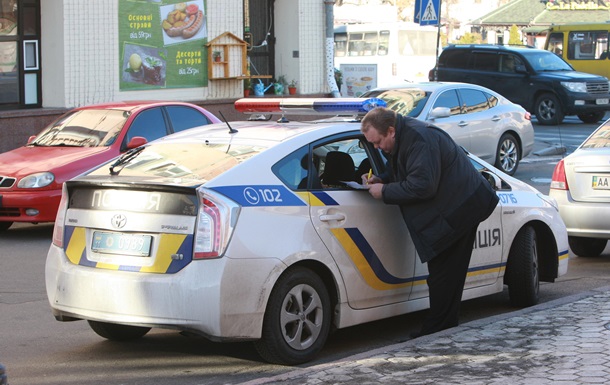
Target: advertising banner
162	44
358	78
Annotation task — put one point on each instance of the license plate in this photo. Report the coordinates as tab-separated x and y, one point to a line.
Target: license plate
602	101
124	244
600	183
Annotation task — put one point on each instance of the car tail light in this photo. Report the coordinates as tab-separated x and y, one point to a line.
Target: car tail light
58	229
559	181
527	116
215	223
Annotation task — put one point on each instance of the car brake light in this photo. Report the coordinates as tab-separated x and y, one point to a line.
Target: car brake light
309	106
559	181
215	222
58	229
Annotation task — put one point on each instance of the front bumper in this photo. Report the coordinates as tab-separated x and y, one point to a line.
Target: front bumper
14	204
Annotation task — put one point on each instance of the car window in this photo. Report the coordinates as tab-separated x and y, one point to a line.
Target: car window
450	100
454	59
599	139
546	61
473	100
492	100
293	170
509	63
149	124
183	117
485	61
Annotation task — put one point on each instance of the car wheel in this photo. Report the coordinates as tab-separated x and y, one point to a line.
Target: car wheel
507	154
297	319
548	110
522	269
115	332
592	117
5	225
587	247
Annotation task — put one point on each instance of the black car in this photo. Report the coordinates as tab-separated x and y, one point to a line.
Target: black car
538	80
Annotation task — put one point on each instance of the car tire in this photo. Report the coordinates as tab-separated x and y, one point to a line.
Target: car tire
116	332
522	269
5	225
508	154
587	247
592	117
297	320
548	110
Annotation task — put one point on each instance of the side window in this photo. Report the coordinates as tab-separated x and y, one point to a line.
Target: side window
293	169
474	101
454	59
342	161
492	100
183	118
556	43
485	61
149	124
450	100
508	63
588	45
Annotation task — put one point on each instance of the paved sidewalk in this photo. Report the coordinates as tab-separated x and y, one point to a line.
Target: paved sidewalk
566	341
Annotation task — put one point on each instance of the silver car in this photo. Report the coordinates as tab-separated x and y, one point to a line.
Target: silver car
581	186
479	119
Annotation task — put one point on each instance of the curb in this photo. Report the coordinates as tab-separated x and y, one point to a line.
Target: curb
302	372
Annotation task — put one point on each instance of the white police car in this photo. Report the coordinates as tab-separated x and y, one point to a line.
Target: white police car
249	232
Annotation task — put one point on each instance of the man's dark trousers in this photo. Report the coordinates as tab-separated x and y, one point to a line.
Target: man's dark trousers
446	279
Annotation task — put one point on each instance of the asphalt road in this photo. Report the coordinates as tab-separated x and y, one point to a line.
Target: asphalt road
37	350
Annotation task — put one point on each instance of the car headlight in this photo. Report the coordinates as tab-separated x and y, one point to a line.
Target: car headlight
41	179
575	86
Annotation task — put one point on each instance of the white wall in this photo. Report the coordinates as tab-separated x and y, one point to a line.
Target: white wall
52	53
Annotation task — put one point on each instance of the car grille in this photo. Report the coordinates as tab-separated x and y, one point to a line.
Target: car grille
597	87
9	212
6	182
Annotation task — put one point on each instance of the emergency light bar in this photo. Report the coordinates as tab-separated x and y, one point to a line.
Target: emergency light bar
308	106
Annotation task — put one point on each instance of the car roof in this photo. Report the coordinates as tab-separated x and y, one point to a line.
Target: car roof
131	105
495	47
434	86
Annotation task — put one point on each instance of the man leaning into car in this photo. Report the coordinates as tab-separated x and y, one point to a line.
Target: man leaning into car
442	197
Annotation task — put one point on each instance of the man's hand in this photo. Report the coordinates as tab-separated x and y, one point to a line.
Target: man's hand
375	190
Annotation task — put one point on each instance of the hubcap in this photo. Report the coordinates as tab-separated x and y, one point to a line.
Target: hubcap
301	317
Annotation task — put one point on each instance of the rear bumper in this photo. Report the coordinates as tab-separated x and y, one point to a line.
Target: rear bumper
583	219
222	299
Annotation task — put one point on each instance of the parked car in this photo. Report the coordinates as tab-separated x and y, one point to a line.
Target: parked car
479	119
31	176
538	80
249	231
581	186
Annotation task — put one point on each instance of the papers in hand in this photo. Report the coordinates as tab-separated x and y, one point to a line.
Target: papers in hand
355	185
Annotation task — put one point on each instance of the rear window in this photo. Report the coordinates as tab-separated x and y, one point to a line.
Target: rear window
599	139
197	161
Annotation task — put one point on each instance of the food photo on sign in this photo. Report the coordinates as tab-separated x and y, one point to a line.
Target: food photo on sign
183	21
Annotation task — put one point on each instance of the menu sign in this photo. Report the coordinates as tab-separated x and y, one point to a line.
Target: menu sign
162	44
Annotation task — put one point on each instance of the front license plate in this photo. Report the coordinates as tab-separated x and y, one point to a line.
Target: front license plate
124	244
600	183
602	101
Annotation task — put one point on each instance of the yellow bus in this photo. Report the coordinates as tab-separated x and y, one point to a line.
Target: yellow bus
584	46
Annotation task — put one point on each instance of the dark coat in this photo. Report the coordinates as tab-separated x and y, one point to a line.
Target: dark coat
439	191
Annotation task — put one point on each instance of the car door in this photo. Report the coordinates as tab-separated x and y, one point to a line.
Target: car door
367	238
486	261
455	125
480	122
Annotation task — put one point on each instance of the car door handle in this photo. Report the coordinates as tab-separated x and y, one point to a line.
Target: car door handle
332	217
462	124
495	118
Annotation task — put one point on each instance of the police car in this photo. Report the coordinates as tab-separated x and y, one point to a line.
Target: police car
252	231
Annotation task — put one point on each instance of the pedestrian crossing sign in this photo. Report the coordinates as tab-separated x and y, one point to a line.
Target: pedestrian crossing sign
427	12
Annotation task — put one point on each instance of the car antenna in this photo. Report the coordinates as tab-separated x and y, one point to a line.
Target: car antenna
231	129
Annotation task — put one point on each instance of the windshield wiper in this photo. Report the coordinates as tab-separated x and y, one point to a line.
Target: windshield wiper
126	157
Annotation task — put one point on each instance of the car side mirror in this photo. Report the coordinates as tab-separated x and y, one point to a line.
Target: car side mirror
31	139
439	112
493	179
136	141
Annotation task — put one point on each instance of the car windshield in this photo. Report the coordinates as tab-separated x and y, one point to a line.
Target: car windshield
405	101
599	139
197	162
86	128
546	61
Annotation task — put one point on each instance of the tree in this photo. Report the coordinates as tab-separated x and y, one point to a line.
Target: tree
514	36
471	38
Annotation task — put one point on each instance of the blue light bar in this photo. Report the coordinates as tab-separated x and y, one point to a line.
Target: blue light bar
308	106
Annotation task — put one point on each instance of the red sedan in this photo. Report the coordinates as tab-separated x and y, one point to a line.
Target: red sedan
31	176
